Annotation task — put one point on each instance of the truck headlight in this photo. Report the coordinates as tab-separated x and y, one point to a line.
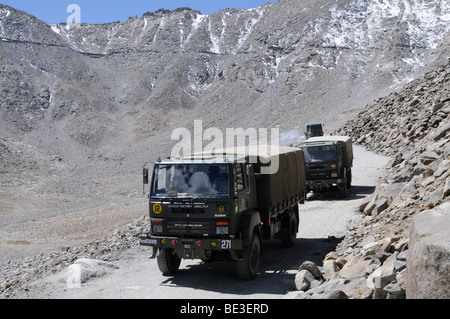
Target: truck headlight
157	225
157	228
222	230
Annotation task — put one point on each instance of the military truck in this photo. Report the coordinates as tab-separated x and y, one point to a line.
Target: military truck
329	162
312	130
218	207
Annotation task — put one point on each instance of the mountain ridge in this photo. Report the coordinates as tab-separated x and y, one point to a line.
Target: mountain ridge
265	58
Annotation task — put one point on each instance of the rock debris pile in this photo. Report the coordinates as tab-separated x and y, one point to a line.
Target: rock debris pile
413	128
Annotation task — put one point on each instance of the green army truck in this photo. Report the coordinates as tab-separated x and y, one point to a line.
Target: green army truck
220	207
329	162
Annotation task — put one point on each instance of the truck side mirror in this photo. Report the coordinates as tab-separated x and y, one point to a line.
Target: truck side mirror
250	173
145	175
250	169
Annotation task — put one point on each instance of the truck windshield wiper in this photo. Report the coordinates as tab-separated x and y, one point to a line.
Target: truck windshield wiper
213	194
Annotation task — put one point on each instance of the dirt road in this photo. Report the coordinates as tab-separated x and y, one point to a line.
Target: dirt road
323	223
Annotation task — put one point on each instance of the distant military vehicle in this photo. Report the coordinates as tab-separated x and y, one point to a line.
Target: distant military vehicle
220	207
329	162
312	130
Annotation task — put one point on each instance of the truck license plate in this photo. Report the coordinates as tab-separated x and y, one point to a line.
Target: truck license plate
149	241
226	244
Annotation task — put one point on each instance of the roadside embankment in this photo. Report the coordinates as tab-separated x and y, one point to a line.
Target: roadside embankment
404	231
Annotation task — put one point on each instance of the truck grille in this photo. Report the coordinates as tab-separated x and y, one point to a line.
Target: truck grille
188	227
317	166
318	175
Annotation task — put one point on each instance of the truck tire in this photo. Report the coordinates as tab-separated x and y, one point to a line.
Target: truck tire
343	191
290	230
249	264
168	262
349	179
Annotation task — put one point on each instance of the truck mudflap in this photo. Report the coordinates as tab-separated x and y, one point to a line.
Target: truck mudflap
191	248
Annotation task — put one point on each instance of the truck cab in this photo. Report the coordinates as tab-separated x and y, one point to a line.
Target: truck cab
194	201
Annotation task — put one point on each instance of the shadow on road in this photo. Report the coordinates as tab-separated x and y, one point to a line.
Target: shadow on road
361	191
276	275
355	192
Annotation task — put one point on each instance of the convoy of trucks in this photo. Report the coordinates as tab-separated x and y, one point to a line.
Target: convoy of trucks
220	206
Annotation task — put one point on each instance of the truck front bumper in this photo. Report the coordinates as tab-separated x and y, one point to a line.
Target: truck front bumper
192	248
323	184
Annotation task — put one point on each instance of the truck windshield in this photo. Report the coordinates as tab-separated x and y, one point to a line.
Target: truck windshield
322	153
191	180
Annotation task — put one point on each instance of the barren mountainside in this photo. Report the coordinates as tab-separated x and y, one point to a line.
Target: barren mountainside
82	108
251	67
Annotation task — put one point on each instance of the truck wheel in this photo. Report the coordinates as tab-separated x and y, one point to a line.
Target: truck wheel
168	262
349	179
290	232
343	192
249	264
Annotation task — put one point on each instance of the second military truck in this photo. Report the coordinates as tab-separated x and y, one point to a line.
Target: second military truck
329	162
220	206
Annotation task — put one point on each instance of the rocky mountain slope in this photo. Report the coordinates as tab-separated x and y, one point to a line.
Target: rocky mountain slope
82	108
282	58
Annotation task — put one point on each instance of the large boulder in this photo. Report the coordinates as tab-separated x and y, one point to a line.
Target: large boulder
85	269
428	263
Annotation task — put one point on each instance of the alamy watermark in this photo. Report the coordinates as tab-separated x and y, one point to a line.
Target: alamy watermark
73	20
257	139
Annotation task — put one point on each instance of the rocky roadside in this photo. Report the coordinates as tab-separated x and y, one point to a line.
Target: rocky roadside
413	128
18	273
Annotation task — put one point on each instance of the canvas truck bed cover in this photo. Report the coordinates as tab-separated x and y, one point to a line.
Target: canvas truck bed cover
283	184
